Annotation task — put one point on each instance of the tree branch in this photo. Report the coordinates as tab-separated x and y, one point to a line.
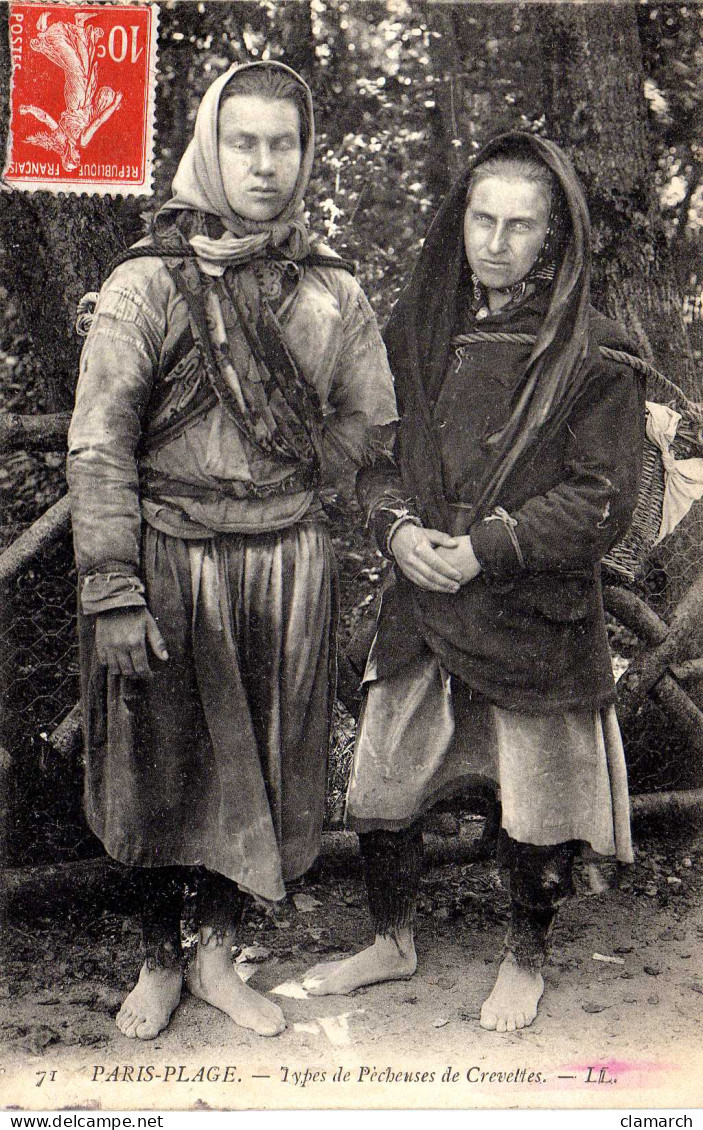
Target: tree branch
34	433
41	534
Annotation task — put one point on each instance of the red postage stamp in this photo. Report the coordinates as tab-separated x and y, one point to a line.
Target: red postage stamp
82	108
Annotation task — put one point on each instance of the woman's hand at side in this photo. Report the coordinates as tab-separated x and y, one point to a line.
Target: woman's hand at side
121	636
413	547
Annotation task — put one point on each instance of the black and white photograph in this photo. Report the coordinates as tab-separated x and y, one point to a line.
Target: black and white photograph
351	556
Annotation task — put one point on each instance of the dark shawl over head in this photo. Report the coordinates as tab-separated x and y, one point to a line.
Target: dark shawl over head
418	338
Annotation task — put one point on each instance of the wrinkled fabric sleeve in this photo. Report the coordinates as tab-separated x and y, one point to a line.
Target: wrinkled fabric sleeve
119	359
361	398
573	525
384	500
360	434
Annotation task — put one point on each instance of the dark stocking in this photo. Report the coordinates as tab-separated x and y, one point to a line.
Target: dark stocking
540	881
161	892
392	864
219	907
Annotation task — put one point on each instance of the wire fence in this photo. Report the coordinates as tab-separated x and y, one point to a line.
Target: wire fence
38	650
40	685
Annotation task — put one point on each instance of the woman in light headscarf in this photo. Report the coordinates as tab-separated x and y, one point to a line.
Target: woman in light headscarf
518	460
232	368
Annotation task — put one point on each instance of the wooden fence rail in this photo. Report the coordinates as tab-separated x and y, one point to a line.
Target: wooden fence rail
35	540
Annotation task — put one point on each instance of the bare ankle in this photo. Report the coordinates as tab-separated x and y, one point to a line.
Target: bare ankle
215	937
214	948
401	940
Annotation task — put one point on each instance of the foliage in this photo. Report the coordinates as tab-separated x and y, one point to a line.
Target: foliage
672	43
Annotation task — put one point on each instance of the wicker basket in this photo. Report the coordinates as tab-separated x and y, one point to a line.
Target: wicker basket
628	557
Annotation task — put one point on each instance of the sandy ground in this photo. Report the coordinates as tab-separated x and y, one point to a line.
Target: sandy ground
618	1032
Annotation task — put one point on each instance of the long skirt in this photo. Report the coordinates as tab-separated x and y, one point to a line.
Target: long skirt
423	737
220	758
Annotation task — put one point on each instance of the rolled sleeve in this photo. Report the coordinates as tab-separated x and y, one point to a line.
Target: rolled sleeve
495	550
102	592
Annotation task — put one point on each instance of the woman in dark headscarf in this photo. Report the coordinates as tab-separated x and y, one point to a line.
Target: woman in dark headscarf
518	460
231	369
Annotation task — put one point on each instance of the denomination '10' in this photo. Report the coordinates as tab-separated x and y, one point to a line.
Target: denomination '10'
120	42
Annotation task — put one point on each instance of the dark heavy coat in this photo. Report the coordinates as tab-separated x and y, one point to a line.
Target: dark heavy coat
553	435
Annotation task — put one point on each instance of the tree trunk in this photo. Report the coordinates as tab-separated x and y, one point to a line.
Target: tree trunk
442	162
294	29
597	111
490	79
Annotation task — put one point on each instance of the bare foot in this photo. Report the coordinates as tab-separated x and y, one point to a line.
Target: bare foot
213	978
386	960
147	1010
514	999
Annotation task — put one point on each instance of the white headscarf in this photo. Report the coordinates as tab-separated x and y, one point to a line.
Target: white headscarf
198	186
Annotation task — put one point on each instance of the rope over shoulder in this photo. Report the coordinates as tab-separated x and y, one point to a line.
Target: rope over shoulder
154	250
620	356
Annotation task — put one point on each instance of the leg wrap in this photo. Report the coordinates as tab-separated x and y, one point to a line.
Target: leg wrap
540	881
392	864
219	906
161	891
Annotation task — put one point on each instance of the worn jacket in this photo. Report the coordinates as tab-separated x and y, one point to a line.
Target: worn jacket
133	344
528	633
